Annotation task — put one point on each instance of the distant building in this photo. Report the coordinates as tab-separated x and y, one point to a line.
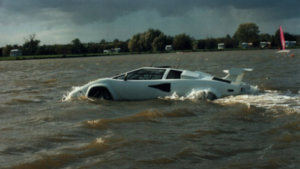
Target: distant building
290	43
16	52
168	47
244	45
269	44
293	43
265	45
221	46
114	50
106	51
247	45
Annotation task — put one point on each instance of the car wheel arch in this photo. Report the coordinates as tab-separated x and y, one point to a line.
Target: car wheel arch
96	92
212	94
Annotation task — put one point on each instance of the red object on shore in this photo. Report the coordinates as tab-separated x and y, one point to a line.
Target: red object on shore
292	55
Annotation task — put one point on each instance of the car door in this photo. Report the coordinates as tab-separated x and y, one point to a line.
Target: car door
140	84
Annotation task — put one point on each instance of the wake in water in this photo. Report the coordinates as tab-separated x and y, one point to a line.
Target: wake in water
273	101
203	95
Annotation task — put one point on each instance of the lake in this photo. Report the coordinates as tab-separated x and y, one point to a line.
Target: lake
38	129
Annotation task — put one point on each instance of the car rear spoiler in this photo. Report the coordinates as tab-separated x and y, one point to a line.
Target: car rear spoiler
236	74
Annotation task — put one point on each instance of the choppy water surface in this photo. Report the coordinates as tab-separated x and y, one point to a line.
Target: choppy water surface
39	130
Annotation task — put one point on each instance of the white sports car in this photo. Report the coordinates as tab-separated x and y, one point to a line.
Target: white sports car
154	82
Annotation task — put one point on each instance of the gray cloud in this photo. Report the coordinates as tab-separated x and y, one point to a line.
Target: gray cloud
90	11
58	21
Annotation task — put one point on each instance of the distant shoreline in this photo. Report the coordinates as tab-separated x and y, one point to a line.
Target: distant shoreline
60	56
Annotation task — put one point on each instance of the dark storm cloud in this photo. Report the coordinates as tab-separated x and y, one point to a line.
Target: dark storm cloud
89	11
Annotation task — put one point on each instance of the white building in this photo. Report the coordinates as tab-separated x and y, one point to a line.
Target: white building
16	52
290	43
168	47
221	46
114	50
265	44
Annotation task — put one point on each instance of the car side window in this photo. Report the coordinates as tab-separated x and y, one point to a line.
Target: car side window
143	74
120	76
174	74
146	74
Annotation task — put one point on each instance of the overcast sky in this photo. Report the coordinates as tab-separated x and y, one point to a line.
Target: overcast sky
61	21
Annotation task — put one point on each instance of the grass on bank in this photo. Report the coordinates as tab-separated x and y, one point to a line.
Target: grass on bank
10	58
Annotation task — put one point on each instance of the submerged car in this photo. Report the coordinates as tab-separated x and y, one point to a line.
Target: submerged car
154	82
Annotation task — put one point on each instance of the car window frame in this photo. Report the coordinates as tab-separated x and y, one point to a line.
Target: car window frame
132	73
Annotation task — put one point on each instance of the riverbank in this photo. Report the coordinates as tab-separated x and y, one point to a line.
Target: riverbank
32	57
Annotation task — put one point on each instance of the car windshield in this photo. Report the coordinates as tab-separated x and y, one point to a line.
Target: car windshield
144	74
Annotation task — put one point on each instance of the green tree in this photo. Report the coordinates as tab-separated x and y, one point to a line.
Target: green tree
77	47
116	41
159	42
134	43
182	42
102	41
195	44
42	50
123	46
201	44
169	40
264	37
211	43
6	50
150	36
144	41
247	32
63	49
92	47
31	45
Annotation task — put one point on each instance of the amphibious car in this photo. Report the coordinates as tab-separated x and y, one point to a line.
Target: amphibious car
154	82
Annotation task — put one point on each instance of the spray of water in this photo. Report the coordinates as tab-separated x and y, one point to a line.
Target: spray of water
67	96
272	101
194	96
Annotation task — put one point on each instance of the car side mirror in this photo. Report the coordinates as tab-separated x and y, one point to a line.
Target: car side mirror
125	77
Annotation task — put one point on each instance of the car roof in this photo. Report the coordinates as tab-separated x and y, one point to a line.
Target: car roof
160	67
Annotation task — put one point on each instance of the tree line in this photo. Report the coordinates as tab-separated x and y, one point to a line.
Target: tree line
152	40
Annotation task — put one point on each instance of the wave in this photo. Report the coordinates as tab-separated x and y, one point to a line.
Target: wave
48	161
159	161
145	116
23	101
50	81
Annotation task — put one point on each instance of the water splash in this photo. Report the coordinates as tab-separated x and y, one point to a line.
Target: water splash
203	94
194	96
67	96
273	101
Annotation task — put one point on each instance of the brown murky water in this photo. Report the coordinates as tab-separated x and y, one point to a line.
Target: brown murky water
39	130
